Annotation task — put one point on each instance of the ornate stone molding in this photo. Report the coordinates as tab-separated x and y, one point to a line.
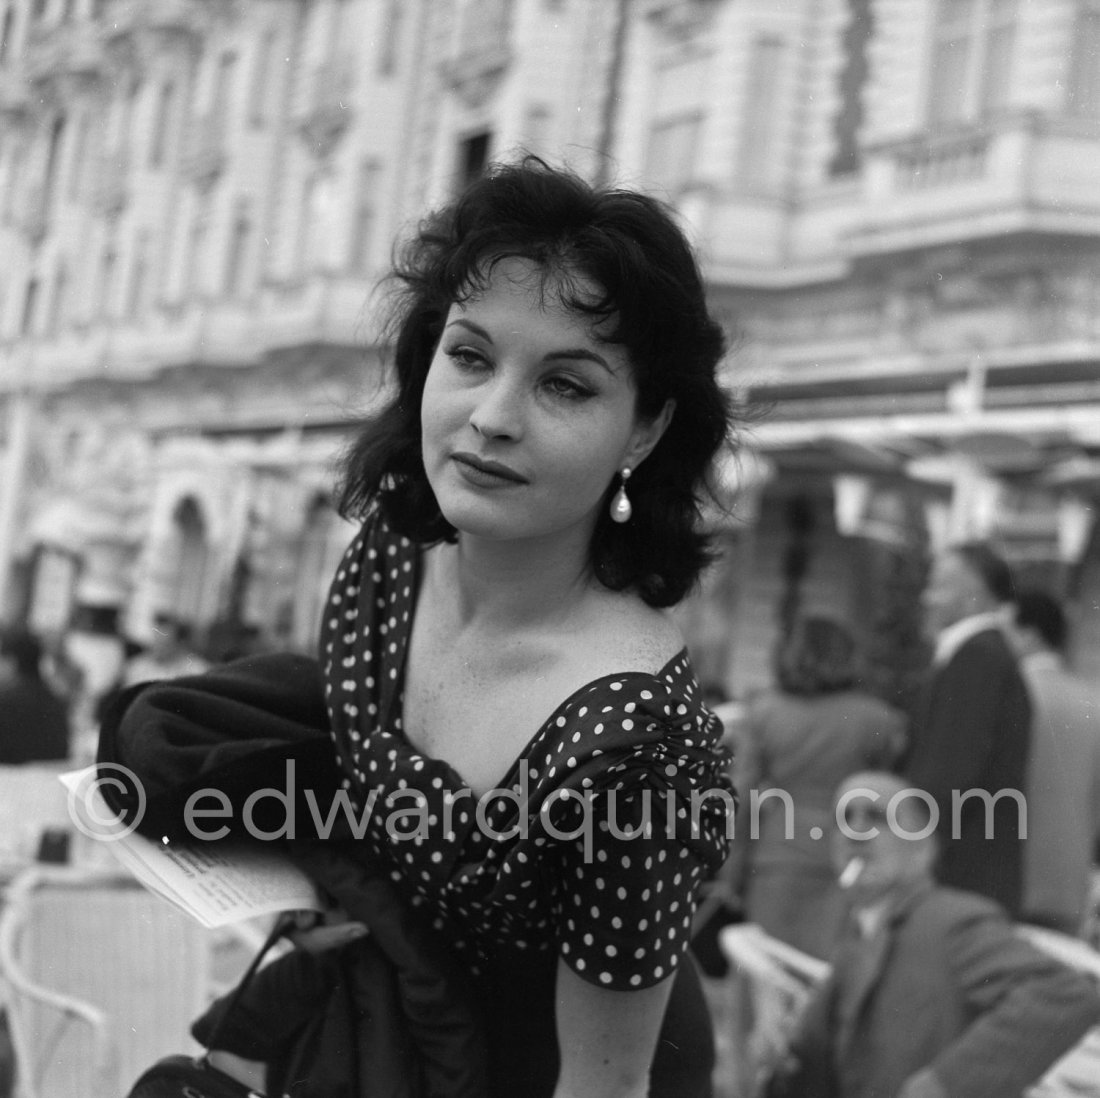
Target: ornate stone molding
475	76
72	50
330	108
681	19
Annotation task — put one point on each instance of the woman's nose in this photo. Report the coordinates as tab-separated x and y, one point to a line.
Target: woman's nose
498	411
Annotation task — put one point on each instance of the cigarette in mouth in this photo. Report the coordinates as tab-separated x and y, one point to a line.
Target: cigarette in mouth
851	873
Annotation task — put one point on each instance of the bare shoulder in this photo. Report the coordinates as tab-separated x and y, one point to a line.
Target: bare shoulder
621	633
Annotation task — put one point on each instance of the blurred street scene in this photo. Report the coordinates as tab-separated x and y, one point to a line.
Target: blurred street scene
897	207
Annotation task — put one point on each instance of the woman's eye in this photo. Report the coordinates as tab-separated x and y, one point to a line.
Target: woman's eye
466	358
567	387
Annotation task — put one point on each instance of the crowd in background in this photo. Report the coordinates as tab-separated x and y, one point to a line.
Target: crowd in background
1000	710
907	850
54	691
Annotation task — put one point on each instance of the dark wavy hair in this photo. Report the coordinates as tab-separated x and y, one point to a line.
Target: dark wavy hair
650	301
818	657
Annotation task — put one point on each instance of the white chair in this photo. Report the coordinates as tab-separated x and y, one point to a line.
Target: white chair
100	978
769	984
1077	1074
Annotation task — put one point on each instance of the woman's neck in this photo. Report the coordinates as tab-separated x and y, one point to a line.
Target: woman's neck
509	584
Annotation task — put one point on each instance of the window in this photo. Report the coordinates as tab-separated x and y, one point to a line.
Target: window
223	83
758	127
166	112
53	156
128	111
196	248
971	66
108	265
7	28
853	77
390	37
1084	86
59	304
670	156
30	307
473	158
366	208
261	79
80	145
139	275
306	224
240	244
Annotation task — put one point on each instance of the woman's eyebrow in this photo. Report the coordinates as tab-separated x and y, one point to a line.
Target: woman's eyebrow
566	354
583	353
477	329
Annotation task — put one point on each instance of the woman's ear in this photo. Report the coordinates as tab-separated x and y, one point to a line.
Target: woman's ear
647	434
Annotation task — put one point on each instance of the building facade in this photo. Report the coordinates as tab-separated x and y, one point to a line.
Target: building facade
894	199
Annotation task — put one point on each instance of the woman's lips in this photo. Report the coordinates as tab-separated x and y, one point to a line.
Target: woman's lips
482	472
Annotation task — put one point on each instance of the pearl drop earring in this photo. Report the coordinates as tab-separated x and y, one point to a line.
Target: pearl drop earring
620	504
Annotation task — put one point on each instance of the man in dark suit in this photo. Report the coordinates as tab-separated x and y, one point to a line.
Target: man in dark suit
933	993
969	744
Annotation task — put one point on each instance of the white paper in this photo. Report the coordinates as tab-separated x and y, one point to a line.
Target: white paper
216	883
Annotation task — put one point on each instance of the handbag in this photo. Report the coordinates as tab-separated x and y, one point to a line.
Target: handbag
183	1076
188	1077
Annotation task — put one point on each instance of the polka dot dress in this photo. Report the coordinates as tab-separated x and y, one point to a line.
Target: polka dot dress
594	845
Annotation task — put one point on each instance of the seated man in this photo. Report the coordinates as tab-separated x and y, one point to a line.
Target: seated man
932	993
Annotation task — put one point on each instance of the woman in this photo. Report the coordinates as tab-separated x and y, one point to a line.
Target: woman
801	740
497	646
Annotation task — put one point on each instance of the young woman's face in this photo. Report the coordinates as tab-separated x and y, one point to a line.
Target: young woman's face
526	415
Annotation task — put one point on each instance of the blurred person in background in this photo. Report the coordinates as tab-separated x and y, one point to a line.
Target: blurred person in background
34	720
972	727
815	727
1063	780
169	655
933	994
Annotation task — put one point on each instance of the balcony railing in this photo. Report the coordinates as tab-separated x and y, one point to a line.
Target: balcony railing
185	18
935	160
1026	172
71	50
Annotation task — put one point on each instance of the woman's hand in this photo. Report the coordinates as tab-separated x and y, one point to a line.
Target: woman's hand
318	931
